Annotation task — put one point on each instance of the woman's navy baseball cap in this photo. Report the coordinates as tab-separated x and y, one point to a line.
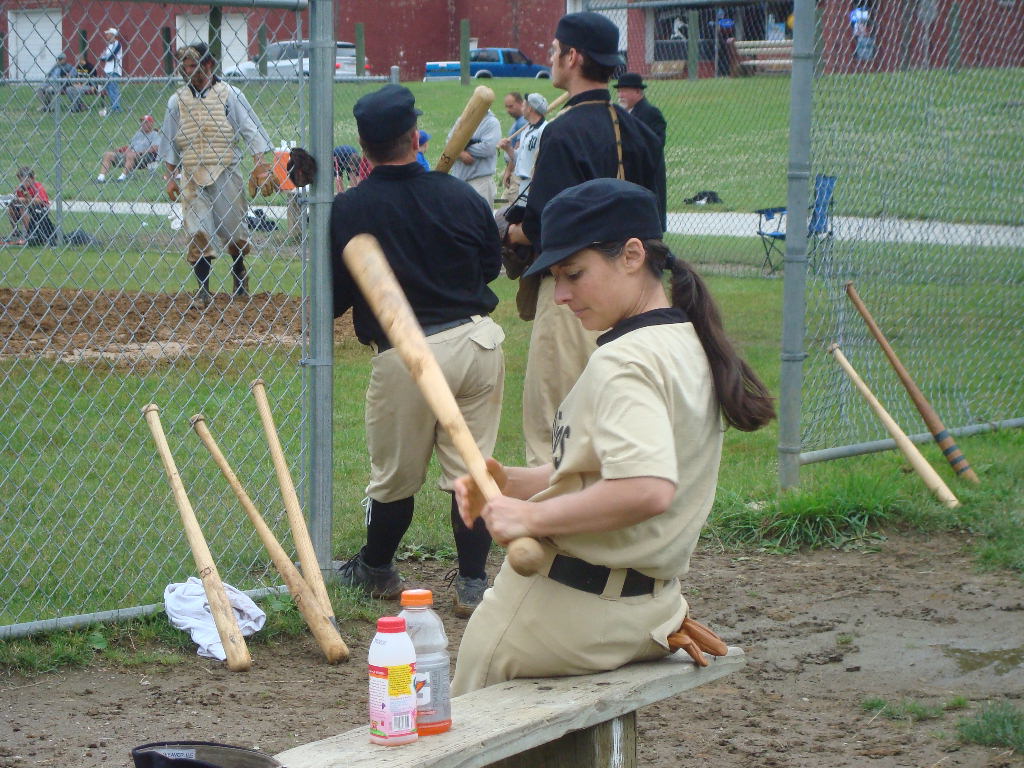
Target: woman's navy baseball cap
596	211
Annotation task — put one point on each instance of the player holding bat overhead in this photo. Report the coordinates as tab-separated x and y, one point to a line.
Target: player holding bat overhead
441	241
636	446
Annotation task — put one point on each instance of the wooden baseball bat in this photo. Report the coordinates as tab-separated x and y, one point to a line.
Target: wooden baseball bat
479	102
319	623
238	658
945	440
371	271
553	105
924	470
300	533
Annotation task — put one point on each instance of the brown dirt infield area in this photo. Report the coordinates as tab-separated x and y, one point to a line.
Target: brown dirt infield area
823	631
136	328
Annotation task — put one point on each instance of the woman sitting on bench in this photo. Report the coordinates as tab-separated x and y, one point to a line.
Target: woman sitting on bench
636	446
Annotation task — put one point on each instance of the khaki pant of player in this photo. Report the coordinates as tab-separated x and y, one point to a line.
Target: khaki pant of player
559	349
402	431
486	187
536	627
217	209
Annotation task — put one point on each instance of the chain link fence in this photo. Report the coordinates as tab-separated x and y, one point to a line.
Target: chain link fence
727	119
917	117
98	314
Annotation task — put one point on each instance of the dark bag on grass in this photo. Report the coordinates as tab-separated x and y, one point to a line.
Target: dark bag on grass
258	221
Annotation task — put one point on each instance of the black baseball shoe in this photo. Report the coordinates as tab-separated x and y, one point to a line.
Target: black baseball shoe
383	581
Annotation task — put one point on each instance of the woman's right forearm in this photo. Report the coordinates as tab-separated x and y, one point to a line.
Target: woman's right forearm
526	482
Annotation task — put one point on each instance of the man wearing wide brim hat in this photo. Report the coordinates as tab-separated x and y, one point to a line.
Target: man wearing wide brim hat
592	138
199	142
632	95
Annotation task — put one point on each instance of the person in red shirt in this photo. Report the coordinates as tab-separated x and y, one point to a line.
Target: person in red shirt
30	202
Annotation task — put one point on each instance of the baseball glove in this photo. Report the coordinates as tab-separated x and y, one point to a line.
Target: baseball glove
301	167
172	189
262	180
697	639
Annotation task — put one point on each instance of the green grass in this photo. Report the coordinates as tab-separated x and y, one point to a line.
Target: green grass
998	724
914	144
911	710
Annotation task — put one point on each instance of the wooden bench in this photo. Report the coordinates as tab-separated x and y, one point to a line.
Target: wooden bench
568	722
753	57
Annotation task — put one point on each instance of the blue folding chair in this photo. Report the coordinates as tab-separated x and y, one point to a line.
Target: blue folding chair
771	227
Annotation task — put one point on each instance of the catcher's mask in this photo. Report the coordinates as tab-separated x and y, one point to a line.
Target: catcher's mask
197	52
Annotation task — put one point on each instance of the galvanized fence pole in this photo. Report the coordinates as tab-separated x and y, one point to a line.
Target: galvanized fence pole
795	270
321	314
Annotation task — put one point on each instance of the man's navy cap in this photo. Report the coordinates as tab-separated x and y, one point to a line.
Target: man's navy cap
631	80
596	211
385	114
594	34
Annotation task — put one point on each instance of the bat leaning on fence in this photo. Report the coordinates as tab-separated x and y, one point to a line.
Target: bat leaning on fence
300	533
945	440
238	658
319	622
371	271
479	102
923	469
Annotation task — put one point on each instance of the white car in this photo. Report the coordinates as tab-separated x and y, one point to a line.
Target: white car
286	58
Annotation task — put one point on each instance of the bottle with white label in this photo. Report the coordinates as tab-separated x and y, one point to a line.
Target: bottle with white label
392	665
433	697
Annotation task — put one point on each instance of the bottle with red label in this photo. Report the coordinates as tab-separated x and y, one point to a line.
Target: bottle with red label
392	666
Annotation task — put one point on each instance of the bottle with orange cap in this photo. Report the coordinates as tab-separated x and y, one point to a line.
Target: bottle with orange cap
433	698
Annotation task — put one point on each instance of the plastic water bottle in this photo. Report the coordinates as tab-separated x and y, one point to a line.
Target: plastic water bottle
433	696
392	665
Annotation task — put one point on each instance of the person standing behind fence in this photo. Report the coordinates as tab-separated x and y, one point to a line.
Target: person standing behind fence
476	163
633	96
205	118
113	68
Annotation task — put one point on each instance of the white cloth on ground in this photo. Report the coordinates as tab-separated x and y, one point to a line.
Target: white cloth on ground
189	610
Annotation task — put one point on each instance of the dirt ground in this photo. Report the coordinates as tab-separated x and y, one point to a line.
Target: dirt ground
823	631
132	329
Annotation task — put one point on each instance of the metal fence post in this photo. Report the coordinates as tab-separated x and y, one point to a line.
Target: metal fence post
321	314
464	51
795	270
360	49
693	44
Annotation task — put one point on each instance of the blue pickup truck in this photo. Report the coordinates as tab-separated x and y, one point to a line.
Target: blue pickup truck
488	62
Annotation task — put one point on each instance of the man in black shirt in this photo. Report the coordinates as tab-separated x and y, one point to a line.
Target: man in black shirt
631	88
592	138
440	239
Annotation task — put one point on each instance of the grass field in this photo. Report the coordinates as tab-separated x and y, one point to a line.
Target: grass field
90	525
932	145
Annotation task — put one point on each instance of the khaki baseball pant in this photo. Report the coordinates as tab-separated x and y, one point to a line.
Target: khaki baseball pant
535	627
402	431
559	349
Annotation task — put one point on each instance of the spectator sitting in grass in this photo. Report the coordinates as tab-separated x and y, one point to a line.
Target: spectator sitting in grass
141	150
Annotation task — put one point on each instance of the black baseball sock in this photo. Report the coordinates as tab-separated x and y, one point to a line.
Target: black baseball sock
202	270
472	544
386	524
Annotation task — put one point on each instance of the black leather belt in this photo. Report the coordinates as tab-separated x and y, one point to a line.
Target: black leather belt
428	330
579	574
